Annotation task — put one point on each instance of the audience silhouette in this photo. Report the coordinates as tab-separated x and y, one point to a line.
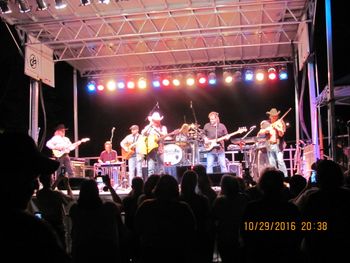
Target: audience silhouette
25	238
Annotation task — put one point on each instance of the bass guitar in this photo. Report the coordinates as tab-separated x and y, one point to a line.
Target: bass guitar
59	153
214	143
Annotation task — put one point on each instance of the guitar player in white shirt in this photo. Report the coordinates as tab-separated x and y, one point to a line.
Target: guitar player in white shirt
61	146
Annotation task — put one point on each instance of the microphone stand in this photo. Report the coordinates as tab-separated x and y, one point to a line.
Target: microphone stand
195	144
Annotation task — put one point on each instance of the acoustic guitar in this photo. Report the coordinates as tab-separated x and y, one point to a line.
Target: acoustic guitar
131	150
59	153
214	143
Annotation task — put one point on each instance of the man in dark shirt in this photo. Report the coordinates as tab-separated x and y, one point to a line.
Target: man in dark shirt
214	132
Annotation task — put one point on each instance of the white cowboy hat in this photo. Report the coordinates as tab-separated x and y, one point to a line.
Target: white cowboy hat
273	112
155	117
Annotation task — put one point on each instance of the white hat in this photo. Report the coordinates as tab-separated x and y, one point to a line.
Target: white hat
155	117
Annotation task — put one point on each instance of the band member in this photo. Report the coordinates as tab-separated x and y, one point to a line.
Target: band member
154	133
274	130
61	146
110	156
212	131
132	151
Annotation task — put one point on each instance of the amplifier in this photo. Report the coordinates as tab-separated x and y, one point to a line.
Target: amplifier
78	168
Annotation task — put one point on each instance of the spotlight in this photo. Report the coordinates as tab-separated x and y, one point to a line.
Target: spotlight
201	78
156	82
41	4
4	8
24	6
177	81
91	86
227	76
190	80
130	84
166	82
60	4
249	75
283	74
260	75
272	75
237	75
100	87
106	2
142	83
121	85
111	85
212	78
85	2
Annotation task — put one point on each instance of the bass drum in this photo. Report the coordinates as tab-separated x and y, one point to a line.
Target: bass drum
172	154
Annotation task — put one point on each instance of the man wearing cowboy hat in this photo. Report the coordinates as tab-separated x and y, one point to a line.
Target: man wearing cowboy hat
62	145
153	134
131	145
274	133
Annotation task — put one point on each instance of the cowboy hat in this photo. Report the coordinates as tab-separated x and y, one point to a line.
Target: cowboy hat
273	112
60	127
155	117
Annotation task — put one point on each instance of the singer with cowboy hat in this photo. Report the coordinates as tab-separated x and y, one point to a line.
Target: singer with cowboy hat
153	134
274	133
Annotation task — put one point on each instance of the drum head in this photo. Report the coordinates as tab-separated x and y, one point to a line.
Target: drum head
172	154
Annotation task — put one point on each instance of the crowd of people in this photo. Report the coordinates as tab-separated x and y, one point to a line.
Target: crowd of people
161	222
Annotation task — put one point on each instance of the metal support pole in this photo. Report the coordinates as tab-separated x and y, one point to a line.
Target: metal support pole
313	110
330	105
34	110
75	110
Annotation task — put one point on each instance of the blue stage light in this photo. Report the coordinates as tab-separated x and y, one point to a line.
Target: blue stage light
91	86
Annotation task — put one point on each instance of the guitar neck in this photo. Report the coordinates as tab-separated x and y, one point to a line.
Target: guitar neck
226	136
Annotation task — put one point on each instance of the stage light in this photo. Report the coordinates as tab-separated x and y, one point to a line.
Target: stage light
91	86
212	78
111	85
100	87
272	75
260	75
176	82
283	74
237	76
41	4
121	85
249	75
142	83
166	82
60	4
23	6
156	82
190	80
201	78
85	2
227	77
4	8
106	2
130	84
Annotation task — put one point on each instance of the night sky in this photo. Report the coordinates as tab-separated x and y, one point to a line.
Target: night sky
241	105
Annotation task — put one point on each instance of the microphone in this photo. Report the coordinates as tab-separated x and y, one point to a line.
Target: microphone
157	105
113	129
191	104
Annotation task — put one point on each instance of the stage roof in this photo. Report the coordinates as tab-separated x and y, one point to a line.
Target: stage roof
135	36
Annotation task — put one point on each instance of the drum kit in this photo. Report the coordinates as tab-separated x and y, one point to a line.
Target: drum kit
183	147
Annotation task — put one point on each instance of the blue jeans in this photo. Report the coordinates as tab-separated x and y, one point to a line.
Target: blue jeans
221	160
135	167
276	159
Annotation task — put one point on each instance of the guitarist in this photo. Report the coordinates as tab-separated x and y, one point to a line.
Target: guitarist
213	130
153	133
60	142
133	153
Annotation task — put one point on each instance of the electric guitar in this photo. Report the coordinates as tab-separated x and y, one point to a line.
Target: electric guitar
214	143
59	153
